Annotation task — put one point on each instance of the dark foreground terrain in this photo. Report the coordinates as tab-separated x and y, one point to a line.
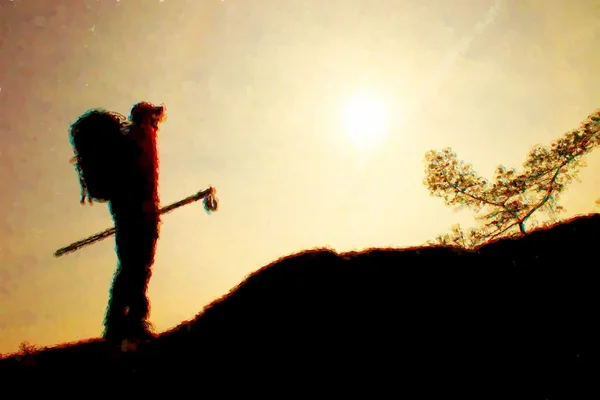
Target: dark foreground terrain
516	319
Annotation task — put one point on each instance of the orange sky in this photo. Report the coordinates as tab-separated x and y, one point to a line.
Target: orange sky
254	92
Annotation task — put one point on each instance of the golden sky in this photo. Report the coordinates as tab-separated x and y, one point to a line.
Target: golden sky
255	92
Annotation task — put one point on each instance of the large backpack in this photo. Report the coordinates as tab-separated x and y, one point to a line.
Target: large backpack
98	141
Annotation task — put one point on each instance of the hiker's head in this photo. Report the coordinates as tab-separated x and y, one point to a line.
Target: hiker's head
148	113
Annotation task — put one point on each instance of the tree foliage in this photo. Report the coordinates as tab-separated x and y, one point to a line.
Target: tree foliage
506	205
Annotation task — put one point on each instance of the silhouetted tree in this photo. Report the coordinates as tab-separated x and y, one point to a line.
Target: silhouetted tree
26	348
506	205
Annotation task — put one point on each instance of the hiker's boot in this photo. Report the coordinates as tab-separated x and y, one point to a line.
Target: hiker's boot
142	332
115	327
114	334
130	336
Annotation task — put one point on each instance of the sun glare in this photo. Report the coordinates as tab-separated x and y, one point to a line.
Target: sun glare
365	119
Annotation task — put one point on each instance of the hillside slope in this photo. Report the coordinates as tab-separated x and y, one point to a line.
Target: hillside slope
516	316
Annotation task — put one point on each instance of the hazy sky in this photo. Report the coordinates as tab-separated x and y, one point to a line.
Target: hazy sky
254	91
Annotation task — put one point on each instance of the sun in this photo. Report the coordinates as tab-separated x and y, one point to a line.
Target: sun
365	119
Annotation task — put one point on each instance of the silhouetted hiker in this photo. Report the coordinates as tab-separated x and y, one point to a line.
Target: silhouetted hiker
136	212
126	176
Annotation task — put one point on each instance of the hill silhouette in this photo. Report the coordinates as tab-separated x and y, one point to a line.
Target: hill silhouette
516	316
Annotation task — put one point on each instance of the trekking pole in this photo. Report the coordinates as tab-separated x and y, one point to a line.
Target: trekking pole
210	204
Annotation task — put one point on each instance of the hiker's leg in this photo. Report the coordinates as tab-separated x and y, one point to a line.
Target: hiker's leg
117	312
144	248
138	276
115	316
136	246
